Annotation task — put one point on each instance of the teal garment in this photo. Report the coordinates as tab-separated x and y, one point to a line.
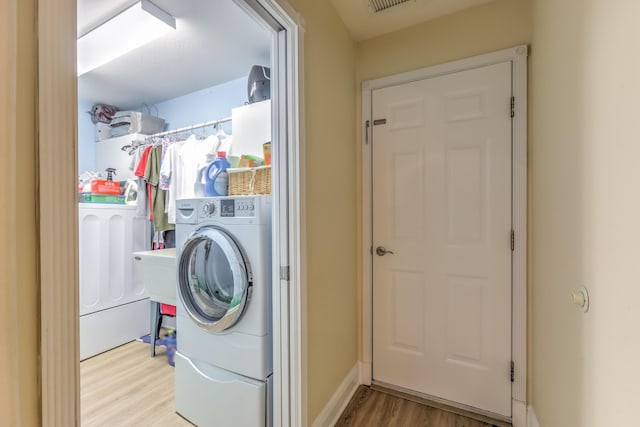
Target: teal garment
152	177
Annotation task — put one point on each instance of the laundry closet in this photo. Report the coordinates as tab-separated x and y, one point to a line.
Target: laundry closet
179	102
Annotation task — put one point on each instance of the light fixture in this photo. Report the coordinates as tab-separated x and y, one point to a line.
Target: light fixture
134	27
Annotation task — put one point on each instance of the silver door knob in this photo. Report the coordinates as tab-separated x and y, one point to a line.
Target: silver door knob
381	251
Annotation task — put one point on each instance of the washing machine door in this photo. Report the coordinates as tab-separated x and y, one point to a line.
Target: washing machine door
213	279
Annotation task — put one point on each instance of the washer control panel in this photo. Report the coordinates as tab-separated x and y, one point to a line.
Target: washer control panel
243	207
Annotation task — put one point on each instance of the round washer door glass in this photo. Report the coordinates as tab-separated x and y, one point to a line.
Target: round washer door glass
212	279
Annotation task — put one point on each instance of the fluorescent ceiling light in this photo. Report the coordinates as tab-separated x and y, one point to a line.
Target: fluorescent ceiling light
134	27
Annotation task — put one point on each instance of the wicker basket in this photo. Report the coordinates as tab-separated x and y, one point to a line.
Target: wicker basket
246	181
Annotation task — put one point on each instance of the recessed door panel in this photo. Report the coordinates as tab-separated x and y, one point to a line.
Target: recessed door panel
406	303
464	326
408	213
466	176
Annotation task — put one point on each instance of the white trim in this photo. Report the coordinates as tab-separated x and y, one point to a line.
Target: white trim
519	258
331	412
518	58
365	373
491	58
367	232
290	388
280	294
532	418
518	413
289	298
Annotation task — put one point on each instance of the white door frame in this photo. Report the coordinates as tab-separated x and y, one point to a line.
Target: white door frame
517	56
289	298
58	214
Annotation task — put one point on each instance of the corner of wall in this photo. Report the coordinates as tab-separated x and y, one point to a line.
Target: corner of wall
332	411
532	420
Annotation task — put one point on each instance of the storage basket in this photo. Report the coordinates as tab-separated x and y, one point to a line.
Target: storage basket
248	181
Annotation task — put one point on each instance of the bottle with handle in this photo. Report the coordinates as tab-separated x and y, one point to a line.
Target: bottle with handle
216	178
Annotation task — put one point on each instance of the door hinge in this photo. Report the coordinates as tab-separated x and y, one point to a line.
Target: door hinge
513	371
513	106
367	124
513	240
377	122
284	273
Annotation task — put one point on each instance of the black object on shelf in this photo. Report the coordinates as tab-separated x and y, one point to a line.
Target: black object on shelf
259	84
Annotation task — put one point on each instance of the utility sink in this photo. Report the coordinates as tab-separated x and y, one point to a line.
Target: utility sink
159	274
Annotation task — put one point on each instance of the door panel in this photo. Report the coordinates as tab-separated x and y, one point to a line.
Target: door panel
442	205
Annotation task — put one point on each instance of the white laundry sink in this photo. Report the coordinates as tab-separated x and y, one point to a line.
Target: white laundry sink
159	274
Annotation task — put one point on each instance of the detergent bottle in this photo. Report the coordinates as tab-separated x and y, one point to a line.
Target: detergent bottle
216	176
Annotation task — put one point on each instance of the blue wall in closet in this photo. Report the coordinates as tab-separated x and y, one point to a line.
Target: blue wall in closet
86	138
204	105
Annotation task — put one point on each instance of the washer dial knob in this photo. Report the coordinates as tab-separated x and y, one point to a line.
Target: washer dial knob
208	208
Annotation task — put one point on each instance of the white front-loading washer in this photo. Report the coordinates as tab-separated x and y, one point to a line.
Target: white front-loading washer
223	366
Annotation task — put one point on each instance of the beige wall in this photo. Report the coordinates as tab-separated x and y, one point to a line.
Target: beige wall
584	160
330	90
496	25
19	402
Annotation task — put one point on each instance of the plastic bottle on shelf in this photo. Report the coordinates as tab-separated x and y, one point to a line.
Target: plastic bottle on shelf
216	178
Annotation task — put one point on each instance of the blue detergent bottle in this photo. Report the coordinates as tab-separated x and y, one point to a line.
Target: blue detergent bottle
216	178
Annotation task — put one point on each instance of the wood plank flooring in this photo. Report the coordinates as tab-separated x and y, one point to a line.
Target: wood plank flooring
126	387
370	407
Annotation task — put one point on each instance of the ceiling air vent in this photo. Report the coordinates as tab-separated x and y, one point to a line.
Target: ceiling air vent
380	5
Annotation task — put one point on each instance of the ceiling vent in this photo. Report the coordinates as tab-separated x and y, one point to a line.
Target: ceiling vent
380	5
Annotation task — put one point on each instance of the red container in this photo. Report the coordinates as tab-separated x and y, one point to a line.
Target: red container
101	186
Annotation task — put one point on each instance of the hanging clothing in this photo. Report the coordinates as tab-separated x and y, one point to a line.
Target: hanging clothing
225	144
136	160
156	195
179	171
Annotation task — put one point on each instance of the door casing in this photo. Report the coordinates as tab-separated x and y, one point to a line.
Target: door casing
517	56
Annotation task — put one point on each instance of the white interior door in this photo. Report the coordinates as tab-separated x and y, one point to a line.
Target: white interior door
442	206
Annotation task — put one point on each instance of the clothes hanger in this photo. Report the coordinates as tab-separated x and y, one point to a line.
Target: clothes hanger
220	131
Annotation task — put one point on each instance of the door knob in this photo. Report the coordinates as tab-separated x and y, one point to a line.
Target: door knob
381	251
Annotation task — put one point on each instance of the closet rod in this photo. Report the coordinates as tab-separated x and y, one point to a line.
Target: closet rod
189	128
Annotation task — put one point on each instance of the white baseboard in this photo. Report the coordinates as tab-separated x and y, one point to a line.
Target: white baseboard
110	328
531	416
335	406
518	413
365	373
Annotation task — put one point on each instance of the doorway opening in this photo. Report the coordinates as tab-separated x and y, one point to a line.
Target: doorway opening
62	351
184	96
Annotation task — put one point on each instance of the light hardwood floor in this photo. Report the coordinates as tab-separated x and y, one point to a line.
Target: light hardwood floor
126	387
370	407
